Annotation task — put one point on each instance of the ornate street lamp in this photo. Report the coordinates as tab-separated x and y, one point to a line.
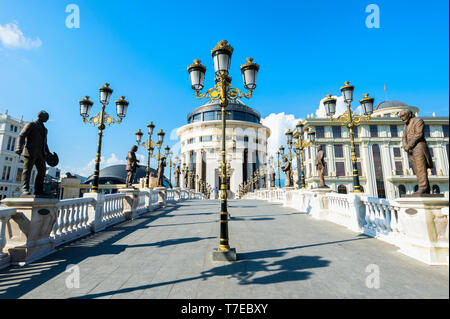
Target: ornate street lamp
222	92
300	145
149	144
160	135
100	120
351	120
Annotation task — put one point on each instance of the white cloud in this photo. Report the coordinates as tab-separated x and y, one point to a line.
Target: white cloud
278	124
88	169
12	37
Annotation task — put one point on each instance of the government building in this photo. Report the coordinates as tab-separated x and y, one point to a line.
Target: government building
246	144
383	165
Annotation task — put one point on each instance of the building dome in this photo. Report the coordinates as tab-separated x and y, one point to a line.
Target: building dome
236	110
388	104
392	108
116	174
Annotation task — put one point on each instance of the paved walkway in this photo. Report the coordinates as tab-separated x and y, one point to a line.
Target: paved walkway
281	254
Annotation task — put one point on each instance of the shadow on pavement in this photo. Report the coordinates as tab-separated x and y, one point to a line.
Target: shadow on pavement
35	274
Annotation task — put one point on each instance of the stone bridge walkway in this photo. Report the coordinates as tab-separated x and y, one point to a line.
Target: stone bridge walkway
281	254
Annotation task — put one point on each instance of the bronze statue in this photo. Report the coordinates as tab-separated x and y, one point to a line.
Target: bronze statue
32	144
131	165
162	164
320	166
414	143
177	174
185	177
287	169
272	177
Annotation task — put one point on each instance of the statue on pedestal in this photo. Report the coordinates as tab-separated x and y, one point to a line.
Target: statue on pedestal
131	166
272	177
32	144
161	166
287	169
320	166
177	174
414	143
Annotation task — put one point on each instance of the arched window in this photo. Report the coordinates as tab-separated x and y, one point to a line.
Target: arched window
435	189
416	188
342	189
378	171
401	190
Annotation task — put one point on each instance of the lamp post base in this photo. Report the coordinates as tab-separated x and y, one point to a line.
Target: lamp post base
229	255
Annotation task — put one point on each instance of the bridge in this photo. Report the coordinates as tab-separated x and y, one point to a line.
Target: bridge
158	244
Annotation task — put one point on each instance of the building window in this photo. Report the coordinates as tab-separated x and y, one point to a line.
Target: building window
426	131
373	131
197	118
397	152
398	168
337	131
9	173
19	175
378	171
342	189
357	150
245	138
209	116
8	146
191	141
433	170
239	116
340	169
355	131
5	168
324	149
338	151
394	131
435	189
445	130
358	166
401	190
320	132
206	138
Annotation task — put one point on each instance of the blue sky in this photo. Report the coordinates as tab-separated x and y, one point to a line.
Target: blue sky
306	49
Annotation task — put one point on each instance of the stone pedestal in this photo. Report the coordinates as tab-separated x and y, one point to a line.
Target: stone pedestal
30	228
96	212
162	195
319	202
131	202
229	255
423	226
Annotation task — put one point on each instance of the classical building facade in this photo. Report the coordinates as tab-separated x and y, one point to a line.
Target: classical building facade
246	143
383	165
11	166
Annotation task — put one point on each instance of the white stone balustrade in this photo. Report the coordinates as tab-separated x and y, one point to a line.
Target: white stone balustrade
419	226
36	226
5	215
72	221
381	218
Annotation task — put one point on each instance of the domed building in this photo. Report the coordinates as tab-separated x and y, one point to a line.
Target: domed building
246	144
392	108
383	166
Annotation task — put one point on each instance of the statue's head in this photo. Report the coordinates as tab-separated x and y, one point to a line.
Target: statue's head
134	148
406	115
43	116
